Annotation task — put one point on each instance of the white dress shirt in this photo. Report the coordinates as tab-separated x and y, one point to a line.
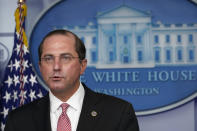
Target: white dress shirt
73	110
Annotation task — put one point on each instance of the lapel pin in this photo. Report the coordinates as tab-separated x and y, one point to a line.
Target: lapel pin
94	113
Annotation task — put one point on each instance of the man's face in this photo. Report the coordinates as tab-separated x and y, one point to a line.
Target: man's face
60	73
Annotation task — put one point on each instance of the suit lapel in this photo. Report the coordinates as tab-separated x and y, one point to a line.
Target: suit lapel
41	115
90	114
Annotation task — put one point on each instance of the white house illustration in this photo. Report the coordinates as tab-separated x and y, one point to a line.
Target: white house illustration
127	38
4	55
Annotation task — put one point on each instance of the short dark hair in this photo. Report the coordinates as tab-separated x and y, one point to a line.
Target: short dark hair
79	45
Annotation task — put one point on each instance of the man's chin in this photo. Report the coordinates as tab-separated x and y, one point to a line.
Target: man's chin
57	87
57	90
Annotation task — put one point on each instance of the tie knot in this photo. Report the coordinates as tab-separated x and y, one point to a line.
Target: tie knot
64	107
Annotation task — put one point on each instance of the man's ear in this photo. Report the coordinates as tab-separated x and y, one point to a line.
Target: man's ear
83	66
39	64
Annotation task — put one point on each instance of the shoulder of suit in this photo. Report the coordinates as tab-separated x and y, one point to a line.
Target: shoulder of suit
108	99
112	98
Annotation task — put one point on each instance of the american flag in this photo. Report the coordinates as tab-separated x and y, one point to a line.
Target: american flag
20	85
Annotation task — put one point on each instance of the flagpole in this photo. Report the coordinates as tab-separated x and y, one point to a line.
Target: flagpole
21	29
21	1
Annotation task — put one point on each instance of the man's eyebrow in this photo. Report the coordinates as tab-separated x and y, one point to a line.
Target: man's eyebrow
68	54
48	55
62	54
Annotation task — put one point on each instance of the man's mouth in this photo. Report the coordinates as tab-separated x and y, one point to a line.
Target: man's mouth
56	78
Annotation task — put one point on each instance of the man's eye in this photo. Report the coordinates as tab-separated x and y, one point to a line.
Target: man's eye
66	57
49	59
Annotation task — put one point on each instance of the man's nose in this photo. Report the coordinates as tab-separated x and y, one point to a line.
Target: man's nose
57	63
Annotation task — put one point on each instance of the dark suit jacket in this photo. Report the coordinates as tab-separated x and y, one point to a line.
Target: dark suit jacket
112	114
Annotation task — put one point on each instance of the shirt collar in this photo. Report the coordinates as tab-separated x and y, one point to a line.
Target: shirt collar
75	101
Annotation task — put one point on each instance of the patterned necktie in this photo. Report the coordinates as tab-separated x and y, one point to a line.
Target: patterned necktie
63	121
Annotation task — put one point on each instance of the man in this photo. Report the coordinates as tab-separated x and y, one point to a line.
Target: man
61	62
